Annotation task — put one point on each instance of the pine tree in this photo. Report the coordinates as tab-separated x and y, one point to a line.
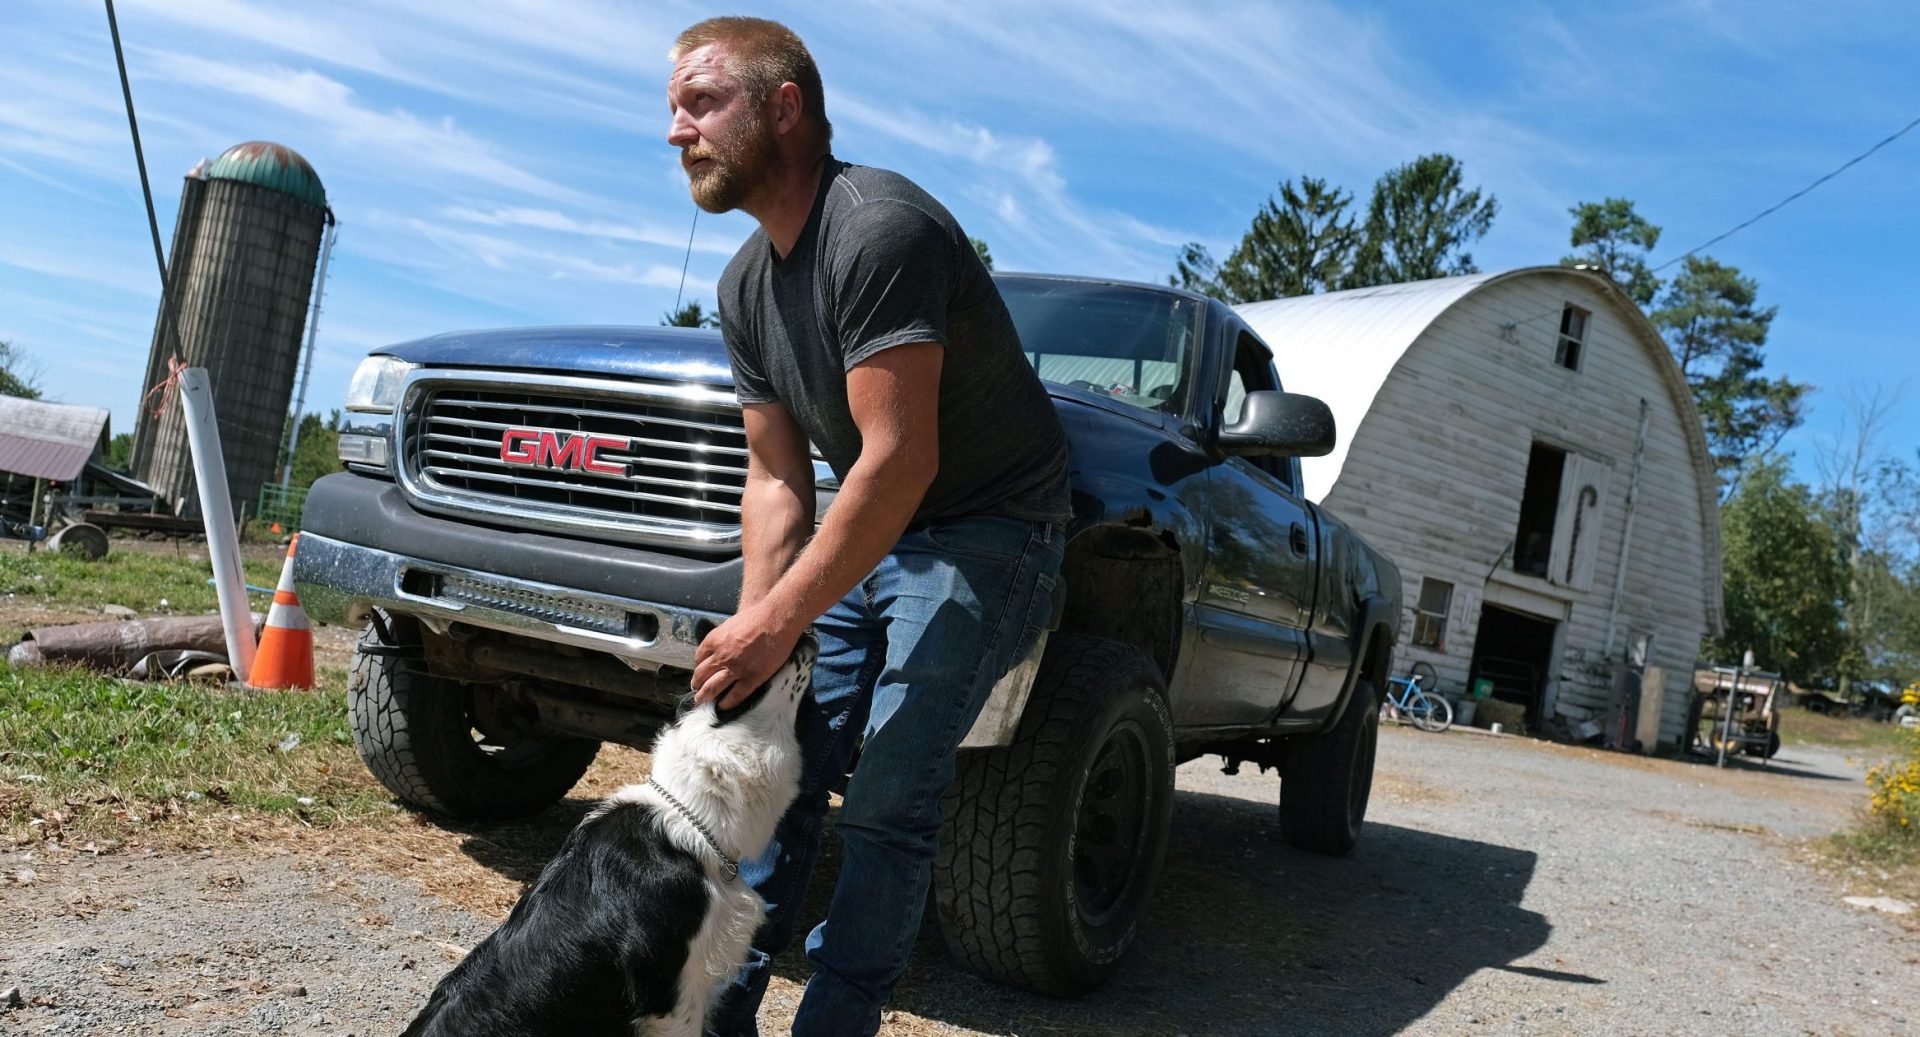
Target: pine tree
1712	323
1615	240
692	315
1420	222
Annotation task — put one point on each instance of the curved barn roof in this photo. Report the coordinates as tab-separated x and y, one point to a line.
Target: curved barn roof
1342	347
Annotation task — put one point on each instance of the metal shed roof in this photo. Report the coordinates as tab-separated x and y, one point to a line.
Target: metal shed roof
1341	346
48	440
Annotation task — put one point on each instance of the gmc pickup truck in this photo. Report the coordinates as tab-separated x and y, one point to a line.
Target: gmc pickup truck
537	526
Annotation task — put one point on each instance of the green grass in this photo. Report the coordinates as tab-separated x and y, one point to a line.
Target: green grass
1802	727
92	755
1878	860
136	579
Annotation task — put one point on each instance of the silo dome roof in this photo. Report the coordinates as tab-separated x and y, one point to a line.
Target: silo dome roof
270	165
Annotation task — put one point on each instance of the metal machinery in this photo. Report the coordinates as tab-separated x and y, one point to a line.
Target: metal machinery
1734	709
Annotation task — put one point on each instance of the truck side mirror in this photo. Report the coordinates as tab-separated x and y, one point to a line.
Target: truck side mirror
1281	424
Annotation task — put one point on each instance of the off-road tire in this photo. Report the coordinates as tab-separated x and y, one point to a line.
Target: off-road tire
1011	885
1328	777
1765	752
415	732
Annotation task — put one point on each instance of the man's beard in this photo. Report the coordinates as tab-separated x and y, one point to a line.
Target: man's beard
739	166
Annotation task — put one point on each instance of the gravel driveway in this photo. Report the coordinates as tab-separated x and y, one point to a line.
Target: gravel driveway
1501	886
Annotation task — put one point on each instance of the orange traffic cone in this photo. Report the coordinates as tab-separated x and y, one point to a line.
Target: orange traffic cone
285	657
275	529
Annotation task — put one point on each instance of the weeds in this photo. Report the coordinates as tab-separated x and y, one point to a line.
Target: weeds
1804	727
97	756
138	580
1894	802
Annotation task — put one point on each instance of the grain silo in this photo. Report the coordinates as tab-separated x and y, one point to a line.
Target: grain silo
244	248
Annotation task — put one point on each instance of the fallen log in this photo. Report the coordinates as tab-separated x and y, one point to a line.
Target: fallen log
116	646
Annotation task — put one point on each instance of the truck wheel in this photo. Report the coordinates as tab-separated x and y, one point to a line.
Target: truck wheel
446	746
1328	777
1052	844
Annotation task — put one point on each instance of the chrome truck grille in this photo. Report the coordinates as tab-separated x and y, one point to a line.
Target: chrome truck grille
640	462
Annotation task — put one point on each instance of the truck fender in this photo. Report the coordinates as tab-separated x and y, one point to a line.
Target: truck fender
1373	617
999	719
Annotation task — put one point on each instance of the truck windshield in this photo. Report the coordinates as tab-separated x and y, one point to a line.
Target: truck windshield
1128	343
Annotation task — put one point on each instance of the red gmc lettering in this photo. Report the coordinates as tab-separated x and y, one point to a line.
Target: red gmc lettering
581	453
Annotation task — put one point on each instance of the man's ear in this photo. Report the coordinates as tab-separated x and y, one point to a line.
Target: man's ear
788	108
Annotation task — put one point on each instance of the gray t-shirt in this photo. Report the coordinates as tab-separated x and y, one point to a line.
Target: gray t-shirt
882	264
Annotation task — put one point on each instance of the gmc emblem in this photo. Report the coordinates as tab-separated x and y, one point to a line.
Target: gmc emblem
566	451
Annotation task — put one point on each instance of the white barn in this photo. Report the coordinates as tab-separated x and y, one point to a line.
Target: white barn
1524	445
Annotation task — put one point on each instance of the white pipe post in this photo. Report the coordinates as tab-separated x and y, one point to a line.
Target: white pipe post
216	511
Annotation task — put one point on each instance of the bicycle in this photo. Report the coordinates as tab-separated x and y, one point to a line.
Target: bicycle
1428	712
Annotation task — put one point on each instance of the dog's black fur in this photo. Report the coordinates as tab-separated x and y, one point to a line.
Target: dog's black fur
593	948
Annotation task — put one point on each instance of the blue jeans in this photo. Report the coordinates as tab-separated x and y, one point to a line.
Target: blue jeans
907	659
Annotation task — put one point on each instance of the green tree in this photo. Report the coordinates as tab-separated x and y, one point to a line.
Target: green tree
1420	222
986	254
19	374
1195	270
318	452
1615	240
120	452
1302	241
692	315
1712	322
1785	577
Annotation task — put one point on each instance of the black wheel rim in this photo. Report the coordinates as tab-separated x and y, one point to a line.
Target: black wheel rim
1110	824
501	732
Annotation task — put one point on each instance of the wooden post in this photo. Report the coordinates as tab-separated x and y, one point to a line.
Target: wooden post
1653	692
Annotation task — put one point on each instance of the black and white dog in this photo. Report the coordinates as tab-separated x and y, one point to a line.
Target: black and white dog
642	915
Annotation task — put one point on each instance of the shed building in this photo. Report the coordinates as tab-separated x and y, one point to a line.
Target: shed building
1525	447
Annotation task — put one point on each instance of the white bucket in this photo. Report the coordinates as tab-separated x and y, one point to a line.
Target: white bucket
1496	727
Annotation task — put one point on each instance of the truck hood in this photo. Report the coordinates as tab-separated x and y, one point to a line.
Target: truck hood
666	354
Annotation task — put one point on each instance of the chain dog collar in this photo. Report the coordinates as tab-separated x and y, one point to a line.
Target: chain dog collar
728	866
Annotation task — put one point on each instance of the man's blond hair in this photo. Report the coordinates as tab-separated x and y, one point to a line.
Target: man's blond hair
764	54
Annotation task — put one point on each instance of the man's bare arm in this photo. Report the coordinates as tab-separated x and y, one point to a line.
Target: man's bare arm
895	401
777	509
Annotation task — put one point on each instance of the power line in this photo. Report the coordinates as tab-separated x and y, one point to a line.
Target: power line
1777	206
688	259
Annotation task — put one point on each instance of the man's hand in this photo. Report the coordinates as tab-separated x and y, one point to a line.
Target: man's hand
739	656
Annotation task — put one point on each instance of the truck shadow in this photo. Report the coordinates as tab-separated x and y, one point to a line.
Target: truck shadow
1246	935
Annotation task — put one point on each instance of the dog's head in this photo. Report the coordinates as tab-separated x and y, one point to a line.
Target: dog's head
776	704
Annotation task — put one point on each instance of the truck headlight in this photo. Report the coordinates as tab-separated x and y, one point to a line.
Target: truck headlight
376	384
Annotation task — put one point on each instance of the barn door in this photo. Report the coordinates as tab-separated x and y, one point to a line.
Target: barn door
1576	527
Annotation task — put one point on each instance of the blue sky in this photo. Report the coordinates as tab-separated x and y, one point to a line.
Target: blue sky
500	162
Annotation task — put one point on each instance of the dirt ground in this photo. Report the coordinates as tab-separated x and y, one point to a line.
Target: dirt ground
1501	886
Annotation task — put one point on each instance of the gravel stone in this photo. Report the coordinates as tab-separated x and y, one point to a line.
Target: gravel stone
1501	886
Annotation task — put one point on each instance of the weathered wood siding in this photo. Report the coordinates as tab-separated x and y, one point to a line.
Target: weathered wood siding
1436	471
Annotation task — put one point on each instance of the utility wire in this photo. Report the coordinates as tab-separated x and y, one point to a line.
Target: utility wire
683	263
1777	206
140	159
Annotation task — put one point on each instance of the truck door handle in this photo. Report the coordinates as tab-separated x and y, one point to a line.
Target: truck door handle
1297	539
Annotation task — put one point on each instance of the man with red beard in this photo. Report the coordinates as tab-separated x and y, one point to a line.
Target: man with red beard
859	318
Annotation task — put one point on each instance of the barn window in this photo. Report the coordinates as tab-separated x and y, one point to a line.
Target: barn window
1573	337
1561	511
1539	506
1430	615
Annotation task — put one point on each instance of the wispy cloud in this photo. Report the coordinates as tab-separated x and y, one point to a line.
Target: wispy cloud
408	146
550	220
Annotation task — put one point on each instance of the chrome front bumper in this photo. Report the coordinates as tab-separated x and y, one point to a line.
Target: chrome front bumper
341	583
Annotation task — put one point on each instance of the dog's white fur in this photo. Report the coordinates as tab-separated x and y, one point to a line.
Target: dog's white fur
738	778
